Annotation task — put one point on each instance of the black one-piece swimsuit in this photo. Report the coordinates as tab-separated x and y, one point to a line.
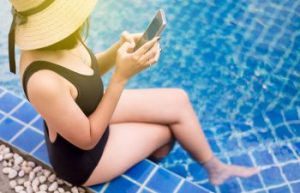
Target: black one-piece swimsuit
69	162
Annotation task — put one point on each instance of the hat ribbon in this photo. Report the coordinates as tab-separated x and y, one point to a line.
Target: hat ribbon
20	18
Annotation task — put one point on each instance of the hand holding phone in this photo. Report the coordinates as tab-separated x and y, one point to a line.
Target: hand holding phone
155	28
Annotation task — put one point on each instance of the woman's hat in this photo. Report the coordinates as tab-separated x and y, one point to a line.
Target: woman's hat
40	23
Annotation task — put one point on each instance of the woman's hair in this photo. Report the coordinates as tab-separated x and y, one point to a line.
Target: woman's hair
70	41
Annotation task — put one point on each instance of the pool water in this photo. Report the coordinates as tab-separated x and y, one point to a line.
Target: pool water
238	60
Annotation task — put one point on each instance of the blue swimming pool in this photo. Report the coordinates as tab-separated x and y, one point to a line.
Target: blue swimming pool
239	60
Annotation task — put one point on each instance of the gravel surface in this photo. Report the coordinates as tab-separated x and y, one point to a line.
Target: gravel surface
25	176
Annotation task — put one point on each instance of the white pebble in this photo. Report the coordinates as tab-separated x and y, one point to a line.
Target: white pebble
29	189
31	164
19	188
12	174
27	183
6	170
18	160
1	157
74	190
5	163
16	167
21	173
31	175
21	181
36	169
59	181
8	156
35	188
61	190
6	150
67	183
12	183
35	182
42	179
53	187
51	178
43	187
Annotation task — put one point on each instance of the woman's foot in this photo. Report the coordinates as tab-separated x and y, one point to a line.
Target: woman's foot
218	172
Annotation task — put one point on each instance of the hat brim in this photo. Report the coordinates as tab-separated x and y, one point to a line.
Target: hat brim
53	24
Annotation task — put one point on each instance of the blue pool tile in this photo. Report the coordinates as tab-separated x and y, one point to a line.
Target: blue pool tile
190	188
272	176
197	171
8	101
259	121
140	171
214	146
42	154
179	169
121	185
242	127
251	183
297	148
295	127
243	160
25	113
39	124
292	171
296	187
250	141
230	143
97	188
1	116
223	129
266	135
1	90
291	115
281	189
230	186
28	140
275	117
8	128
160	177
208	186
283	133
263	157
145	191
283	153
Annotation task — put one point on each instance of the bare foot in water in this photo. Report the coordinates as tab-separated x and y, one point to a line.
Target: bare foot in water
218	172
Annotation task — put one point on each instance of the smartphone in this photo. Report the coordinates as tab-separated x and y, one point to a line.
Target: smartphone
155	28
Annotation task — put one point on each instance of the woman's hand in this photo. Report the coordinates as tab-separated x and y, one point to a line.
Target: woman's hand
131	38
129	63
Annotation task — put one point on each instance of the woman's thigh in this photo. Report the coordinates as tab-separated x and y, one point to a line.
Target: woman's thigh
128	144
153	105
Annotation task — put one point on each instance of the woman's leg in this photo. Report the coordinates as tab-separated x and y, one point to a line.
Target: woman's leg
128	144
171	107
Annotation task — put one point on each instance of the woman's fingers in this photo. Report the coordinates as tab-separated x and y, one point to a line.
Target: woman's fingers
137	36
151	56
128	37
143	49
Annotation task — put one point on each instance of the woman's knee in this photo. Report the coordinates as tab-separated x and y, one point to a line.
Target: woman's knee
181	96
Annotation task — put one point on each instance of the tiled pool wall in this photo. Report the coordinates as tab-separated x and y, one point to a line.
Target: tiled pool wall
239	61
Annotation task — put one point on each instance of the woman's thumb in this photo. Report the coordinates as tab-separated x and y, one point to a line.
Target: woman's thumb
126	46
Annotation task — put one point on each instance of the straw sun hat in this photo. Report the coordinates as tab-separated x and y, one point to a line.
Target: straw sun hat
40	23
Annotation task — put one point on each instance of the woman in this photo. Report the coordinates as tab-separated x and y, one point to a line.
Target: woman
92	136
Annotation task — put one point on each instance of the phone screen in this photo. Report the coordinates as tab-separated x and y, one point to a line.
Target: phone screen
154	29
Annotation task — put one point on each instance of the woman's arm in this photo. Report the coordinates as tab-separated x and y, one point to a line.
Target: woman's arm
106	59
100	118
